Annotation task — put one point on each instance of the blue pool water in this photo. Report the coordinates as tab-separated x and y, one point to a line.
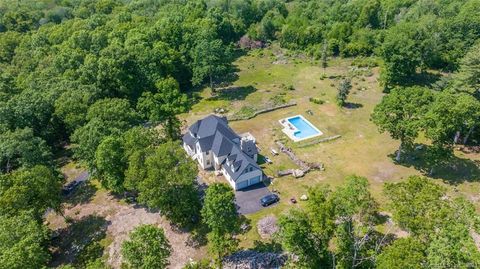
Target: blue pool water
304	128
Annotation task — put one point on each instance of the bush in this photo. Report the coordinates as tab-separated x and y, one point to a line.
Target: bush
317	101
246	111
90	254
147	247
365	62
278	99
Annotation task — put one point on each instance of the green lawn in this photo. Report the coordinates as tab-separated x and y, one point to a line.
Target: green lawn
361	150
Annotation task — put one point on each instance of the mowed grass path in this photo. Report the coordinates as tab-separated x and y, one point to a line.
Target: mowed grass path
361	150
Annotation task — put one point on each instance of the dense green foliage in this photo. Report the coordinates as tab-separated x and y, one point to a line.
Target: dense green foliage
29	190
95	75
172	174
147	247
23	242
220	215
439	228
345	216
422	208
79	69
400	113
91	74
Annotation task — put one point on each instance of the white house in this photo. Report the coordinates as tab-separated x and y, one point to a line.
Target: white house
216	146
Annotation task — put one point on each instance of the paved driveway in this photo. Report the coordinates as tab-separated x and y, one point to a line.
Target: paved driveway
248	199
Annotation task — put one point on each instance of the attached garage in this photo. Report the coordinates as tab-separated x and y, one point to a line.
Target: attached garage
242	184
255	180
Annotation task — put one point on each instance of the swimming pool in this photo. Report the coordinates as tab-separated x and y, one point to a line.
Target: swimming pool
298	128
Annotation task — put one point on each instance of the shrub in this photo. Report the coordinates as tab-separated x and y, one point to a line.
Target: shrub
278	99
317	101
365	62
246	111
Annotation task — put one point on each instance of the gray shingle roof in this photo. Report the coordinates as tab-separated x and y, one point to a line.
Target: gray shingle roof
189	140
221	145
240	162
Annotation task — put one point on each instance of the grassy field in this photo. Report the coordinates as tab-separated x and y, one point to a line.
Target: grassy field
361	150
265	78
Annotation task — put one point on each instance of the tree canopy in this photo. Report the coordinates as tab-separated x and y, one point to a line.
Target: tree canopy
220	215
23	242
170	184
147	247
33	189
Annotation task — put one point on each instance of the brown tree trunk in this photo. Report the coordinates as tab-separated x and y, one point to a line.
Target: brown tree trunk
8	166
399	152
465	139
211	83
457	136
385	20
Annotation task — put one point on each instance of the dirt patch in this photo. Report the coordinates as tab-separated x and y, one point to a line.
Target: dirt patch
128	218
385	171
476	238
120	219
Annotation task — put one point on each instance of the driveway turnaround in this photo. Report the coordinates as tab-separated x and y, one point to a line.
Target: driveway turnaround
248	199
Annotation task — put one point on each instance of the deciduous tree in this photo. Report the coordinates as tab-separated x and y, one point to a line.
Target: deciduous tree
170	184
20	148
210	59
36	189
220	215
147	247
110	163
404	253
343	90
163	106
401	113
23	242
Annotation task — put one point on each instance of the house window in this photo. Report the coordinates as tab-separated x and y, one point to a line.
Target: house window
208	162
208	152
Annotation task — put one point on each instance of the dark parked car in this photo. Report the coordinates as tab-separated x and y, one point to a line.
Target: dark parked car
269	199
70	187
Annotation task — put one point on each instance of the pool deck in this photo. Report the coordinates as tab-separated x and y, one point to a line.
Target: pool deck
289	129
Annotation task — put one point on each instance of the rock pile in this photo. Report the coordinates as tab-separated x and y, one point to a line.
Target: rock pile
267	226
249	259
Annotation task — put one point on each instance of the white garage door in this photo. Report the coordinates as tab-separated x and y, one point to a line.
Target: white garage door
242	184
255	180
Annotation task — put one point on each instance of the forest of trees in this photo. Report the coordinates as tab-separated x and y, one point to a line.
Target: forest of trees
94	74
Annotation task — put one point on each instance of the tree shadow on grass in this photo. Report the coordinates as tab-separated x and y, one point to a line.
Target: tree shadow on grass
198	236
68	243
349	105
423	79
233	93
453	170
381	218
261	159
